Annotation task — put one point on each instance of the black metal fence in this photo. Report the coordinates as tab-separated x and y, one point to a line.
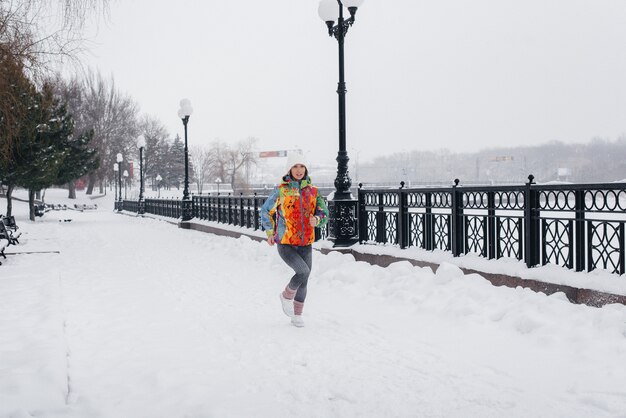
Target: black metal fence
580	226
240	210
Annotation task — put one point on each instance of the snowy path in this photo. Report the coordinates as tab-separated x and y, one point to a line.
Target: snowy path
137	318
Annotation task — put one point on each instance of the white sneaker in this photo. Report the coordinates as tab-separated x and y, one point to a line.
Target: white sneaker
297	321
287	305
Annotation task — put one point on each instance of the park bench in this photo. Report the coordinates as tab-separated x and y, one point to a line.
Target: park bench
9	230
42	208
11	226
83	207
8	234
3	244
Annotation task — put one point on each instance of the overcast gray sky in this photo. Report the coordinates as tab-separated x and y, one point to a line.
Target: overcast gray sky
454	74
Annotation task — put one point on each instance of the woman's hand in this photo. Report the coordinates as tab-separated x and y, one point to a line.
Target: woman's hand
270	240
313	220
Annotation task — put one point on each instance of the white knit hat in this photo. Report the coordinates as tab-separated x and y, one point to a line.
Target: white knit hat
295	157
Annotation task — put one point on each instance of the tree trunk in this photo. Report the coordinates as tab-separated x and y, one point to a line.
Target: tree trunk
10	199
31	204
91	183
101	187
72	190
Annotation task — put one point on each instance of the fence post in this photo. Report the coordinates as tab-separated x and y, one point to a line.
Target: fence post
531	224
380	219
491	225
220	212
403	221
230	210
241	213
456	240
579	245
210	208
362	214
256	213
429	231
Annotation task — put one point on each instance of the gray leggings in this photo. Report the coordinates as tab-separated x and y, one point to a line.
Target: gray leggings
299	259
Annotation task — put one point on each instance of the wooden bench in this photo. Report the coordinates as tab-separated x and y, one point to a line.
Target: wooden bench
8	234
83	207
9	230
41	209
3	244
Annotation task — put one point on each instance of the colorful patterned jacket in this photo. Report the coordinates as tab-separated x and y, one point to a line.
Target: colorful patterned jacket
285	213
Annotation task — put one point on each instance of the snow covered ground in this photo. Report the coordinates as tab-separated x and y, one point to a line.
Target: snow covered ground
110	315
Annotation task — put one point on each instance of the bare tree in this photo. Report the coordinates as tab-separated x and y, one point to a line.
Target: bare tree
200	158
113	117
29	44
233	163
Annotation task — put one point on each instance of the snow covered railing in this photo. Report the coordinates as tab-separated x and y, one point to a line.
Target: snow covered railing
232	210
226	209
235	210
579	226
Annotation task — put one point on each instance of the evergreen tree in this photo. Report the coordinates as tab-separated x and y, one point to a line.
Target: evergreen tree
47	152
175	164
21	120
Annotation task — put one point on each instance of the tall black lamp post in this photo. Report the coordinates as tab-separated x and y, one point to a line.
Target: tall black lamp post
119	178
343	206
116	168
184	112
141	144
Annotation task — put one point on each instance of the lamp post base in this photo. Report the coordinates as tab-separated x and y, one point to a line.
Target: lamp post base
343	226
186	207
141	207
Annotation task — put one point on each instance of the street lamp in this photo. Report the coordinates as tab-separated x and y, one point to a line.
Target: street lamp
343	206
119	177
125	182
218	181
141	143
158	179
184	112
116	168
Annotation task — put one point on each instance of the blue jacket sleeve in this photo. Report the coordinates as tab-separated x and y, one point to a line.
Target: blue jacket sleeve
267	212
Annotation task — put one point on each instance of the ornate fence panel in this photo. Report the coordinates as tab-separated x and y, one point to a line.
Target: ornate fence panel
130	205
580	227
170	208
239	210
406	217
